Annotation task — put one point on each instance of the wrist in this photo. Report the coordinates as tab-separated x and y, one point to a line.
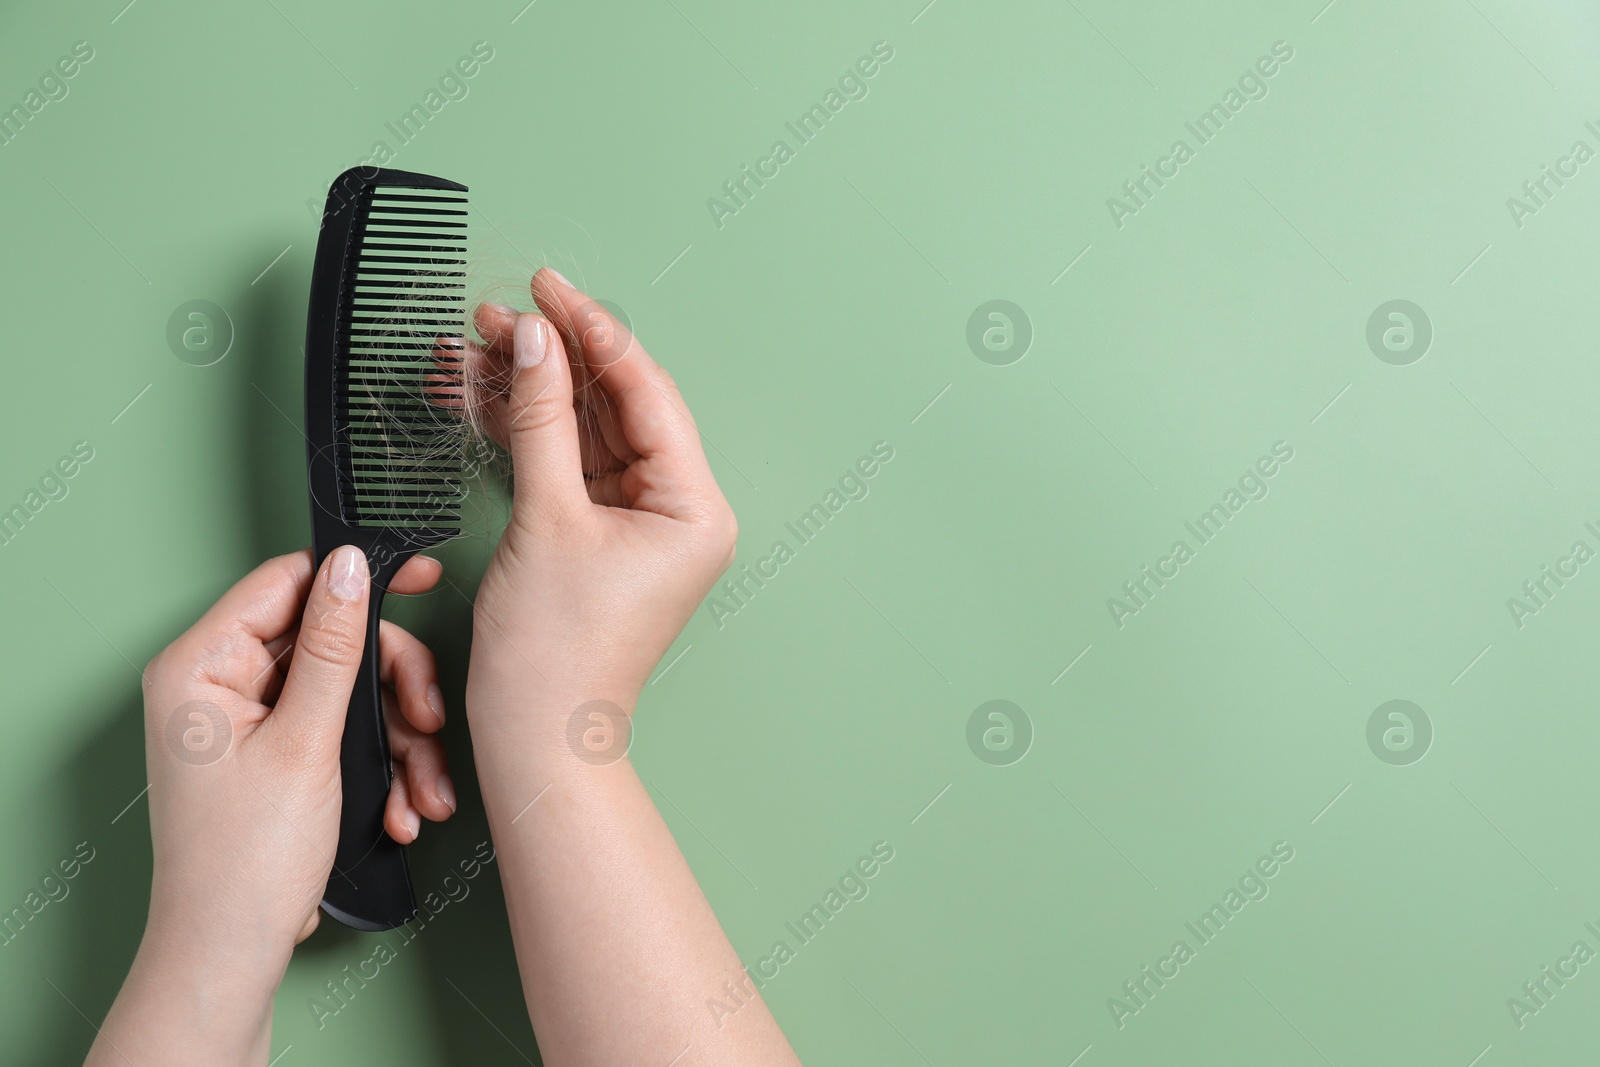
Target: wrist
531	706
193	1003
523	670
547	729
187	922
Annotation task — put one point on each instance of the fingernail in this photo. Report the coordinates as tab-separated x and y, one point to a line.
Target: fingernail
412	822
559	277
501	309
436	701
447	791
530	341
347	573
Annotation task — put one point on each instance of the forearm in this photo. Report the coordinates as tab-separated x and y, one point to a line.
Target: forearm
618	949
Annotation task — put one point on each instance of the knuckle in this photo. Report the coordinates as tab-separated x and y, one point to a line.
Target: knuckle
152	671
171	666
719	520
719	534
417	664
595	329
335	639
727	537
669	387
414	671
536	415
669	391
424	756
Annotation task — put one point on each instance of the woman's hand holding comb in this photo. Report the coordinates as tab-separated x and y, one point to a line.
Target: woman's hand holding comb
243	715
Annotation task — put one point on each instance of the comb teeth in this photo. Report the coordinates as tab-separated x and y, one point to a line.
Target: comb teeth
399	452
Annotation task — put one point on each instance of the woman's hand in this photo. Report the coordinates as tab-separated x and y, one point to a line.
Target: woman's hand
243	719
617	531
618	528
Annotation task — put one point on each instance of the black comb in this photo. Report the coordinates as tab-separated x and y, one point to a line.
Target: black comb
384	460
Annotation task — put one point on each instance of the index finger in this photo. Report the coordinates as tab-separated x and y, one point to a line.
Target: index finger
266	602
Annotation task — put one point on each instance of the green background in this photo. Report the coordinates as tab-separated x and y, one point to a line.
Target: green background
1228	314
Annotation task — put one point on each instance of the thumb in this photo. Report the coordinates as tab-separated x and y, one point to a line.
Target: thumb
327	653
542	428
